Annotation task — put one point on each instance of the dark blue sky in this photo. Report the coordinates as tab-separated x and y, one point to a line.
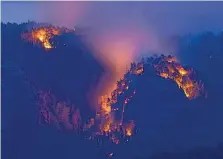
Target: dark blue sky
162	17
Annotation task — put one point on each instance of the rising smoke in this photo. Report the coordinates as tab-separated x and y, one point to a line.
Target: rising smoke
120	32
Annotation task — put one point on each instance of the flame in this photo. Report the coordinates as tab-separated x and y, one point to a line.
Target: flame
168	67
109	119
137	69
42	35
129	128
109	125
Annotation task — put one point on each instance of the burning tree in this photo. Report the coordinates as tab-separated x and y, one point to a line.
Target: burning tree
169	68
44	35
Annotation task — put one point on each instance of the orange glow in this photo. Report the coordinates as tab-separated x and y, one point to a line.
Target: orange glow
105	105
180	75
42	36
109	125
116	50
129	128
171	59
137	69
164	75
106	117
109	118
182	71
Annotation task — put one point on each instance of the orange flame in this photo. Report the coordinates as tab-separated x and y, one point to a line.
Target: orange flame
42	35
109	125
169	68
129	128
108	121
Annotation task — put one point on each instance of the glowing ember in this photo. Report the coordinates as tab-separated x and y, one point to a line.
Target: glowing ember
137	69
42	35
167	67
109	125
109	120
129	128
171	59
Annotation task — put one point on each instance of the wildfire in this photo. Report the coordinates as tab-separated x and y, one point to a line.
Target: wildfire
129	128
168	67
109	119
42	36
109	124
137	69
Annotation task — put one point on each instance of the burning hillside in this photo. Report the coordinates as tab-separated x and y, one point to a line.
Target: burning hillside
110	119
44	35
110	105
169	68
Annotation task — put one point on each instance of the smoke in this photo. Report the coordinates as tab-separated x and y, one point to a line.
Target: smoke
116	36
121	32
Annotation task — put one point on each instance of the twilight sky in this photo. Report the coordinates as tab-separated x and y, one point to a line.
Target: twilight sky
162	17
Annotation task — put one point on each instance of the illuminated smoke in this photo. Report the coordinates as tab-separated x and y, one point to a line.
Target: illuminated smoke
110	119
106	122
116	36
116	50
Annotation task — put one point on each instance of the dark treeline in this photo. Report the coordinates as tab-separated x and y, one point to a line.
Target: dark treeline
168	124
